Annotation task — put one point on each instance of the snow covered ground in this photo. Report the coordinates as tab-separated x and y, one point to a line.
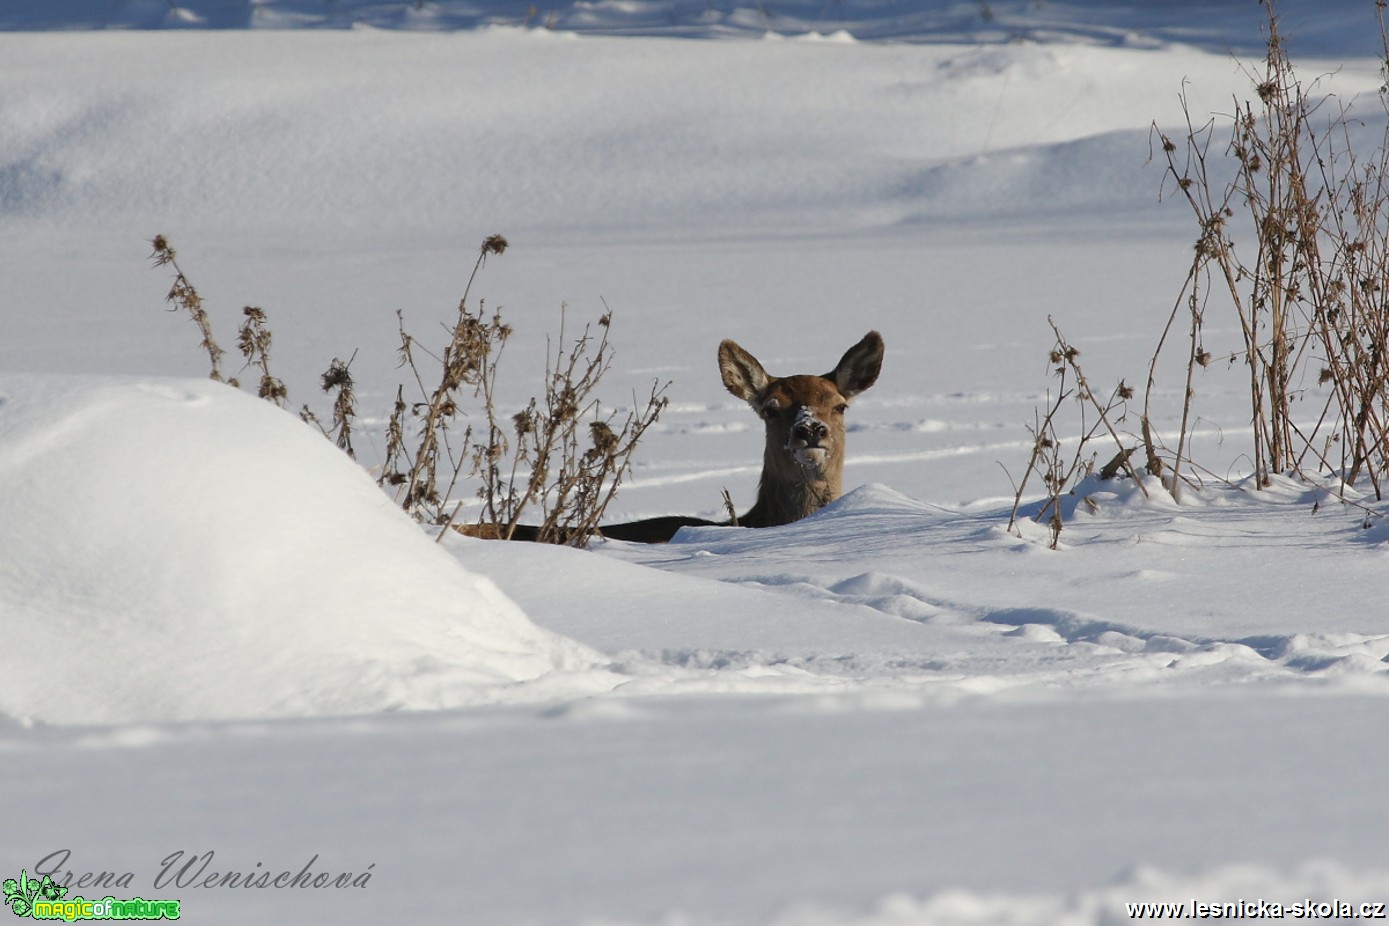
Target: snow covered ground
220	638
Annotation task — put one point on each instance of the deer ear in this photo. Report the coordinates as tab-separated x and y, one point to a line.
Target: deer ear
742	374
858	368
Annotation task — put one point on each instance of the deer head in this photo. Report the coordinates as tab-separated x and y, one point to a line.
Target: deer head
803	463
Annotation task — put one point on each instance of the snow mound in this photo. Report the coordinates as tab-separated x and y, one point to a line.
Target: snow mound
1231	891
1318	26
856	517
177	550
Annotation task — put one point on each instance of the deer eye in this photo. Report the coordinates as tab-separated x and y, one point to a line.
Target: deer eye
841	408
771	411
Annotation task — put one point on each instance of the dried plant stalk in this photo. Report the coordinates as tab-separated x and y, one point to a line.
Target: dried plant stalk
184	296
254	341
1308	289
1061	473
562	453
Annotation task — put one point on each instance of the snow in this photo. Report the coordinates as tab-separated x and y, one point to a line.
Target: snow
216	558
221	637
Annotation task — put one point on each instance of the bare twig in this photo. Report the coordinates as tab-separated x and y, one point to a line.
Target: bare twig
184	296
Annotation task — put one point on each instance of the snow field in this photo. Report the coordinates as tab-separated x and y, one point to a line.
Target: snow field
892	713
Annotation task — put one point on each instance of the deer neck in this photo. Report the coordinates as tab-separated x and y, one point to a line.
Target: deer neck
789	491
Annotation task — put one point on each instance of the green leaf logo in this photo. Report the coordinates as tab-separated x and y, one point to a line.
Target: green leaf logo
20	895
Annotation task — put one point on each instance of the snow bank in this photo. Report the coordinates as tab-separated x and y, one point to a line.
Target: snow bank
1234	892
177	550
271	137
1319	26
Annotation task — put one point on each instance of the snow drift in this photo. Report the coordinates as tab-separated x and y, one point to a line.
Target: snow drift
179	550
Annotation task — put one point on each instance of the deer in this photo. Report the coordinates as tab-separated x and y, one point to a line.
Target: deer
803	459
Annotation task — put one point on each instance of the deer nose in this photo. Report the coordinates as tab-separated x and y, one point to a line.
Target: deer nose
810	431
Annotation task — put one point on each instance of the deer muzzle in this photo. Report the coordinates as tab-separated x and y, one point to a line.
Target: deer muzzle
809	438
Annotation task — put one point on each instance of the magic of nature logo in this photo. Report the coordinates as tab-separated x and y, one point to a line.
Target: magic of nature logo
45	899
